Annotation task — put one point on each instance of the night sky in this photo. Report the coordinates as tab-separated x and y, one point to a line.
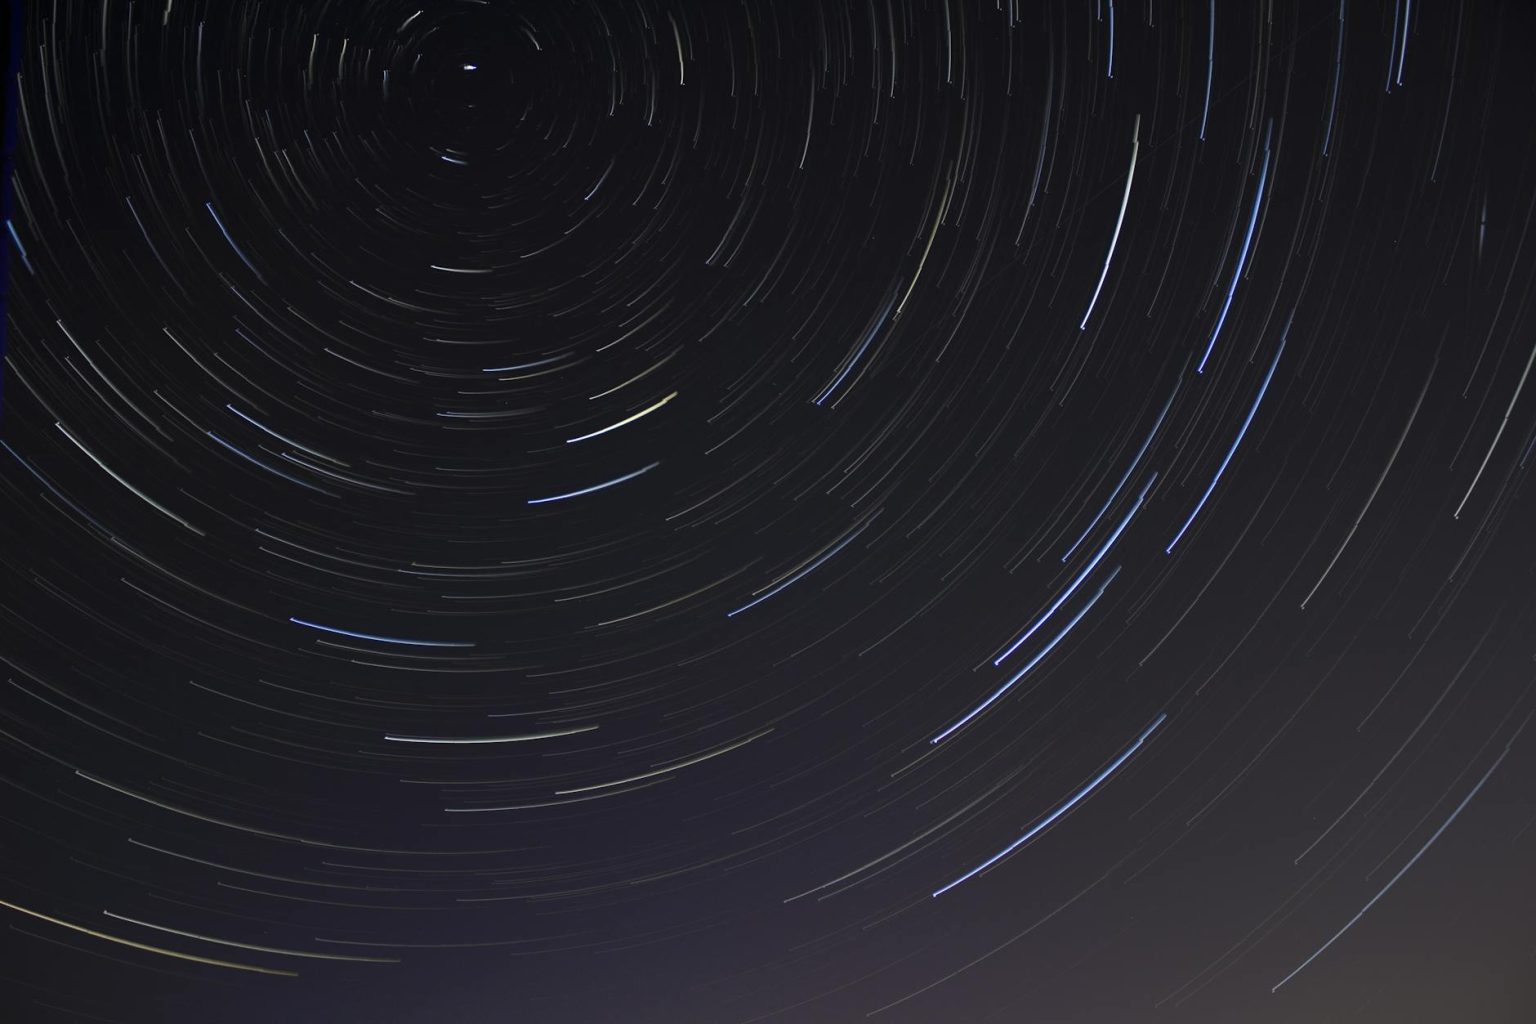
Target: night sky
723	511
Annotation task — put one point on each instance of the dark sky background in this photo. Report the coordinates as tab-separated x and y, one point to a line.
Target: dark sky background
699	511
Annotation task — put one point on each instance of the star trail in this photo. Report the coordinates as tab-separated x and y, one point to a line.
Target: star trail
728	511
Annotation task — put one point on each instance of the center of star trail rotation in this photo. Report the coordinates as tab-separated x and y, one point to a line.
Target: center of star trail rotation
686	511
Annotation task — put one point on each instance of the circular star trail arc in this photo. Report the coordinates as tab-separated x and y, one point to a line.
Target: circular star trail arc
927	510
